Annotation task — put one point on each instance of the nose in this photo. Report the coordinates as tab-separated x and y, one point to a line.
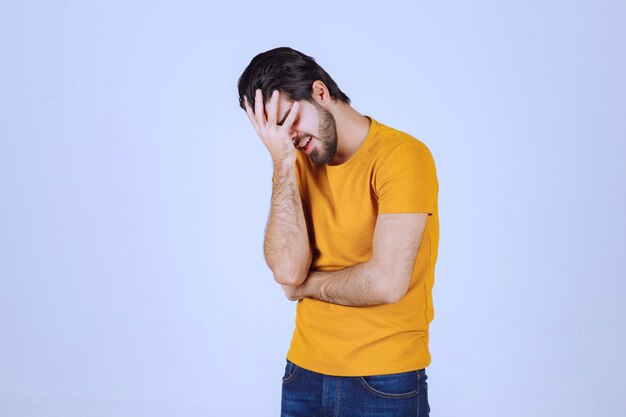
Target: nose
293	134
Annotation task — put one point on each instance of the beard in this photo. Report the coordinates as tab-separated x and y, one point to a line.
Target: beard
325	152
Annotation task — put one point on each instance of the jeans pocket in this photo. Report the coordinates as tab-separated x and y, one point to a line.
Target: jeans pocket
291	370
400	385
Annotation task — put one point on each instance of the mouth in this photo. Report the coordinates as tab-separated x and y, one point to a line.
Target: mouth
305	144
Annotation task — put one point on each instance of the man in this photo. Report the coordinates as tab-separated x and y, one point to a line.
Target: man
352	235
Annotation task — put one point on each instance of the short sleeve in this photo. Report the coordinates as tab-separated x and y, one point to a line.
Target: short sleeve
406	180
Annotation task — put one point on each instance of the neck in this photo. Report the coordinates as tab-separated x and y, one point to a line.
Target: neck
352	129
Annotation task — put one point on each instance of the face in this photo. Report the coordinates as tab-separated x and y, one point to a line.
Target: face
314	130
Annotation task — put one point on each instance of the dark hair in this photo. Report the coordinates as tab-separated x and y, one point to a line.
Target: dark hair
287	70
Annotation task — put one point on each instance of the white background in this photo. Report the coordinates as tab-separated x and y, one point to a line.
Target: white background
134	195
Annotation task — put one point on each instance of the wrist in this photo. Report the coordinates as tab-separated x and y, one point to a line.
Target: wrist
282	171
283	165
313	286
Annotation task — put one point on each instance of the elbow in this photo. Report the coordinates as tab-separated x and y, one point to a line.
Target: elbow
289	279
291	274
391	293
392	297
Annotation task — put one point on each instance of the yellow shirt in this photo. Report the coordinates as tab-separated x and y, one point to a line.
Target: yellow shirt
391	172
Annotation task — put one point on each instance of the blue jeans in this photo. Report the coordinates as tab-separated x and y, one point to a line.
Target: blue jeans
307	393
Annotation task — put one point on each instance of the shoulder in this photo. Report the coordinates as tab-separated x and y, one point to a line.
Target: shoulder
395	146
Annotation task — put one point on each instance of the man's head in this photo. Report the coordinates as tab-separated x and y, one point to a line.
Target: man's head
287	70
298	78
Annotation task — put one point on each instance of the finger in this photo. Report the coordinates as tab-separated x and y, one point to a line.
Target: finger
292	115
250	113
259	111
272	108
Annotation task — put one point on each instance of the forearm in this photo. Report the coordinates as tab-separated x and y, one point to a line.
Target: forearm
287	248
360	285
384	279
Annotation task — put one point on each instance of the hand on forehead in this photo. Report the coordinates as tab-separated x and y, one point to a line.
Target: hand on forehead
277	111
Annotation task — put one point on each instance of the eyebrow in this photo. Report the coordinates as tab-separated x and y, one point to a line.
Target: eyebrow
280	123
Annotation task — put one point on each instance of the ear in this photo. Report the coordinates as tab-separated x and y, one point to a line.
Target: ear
321	94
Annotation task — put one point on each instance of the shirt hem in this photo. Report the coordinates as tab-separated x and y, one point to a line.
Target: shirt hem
396	368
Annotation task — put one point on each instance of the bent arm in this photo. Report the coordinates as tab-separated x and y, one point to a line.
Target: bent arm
384	279
287	249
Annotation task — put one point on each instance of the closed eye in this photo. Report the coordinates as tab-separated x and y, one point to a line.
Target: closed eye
282	120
